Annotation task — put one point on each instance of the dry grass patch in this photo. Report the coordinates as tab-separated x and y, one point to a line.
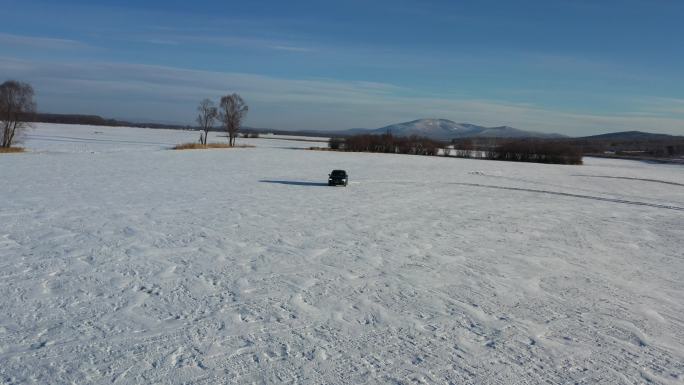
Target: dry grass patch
197	146
11	150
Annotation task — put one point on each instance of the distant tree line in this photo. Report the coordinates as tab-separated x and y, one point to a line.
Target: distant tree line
519	150
92	120
537	151
664	146
663	150
96	120
387	143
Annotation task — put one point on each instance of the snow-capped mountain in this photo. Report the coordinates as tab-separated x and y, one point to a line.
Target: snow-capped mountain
443	129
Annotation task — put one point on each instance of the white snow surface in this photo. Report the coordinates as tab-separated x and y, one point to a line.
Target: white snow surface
122	262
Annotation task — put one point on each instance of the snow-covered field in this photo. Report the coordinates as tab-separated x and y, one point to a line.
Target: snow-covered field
122	262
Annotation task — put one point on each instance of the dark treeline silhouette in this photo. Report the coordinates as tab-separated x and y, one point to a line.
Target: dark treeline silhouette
538	151
95	120
658	147
387	143
516	150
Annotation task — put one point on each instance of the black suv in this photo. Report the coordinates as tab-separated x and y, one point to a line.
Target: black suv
338	177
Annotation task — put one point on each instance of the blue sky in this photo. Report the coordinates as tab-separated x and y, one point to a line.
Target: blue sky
570	66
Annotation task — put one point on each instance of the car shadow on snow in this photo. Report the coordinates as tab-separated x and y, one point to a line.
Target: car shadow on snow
294	183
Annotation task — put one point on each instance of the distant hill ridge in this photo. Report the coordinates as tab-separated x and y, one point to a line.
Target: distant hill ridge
631	135
444	129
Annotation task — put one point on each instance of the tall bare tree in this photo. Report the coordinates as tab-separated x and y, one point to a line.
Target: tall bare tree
16	108
232	110
207	114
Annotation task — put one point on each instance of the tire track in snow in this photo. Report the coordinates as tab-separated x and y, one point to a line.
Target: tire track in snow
559	193
628	178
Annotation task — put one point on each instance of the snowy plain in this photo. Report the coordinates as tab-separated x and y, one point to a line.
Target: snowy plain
124	262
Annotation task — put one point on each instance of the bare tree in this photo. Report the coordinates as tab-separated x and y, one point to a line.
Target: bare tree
207	114
16	108
232	110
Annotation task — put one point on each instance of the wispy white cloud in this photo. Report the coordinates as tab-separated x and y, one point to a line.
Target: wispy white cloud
167	93
292	48
662	106
40	42
251	42
158	41
246	42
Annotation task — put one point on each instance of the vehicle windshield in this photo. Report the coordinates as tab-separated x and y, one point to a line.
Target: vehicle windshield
338	173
